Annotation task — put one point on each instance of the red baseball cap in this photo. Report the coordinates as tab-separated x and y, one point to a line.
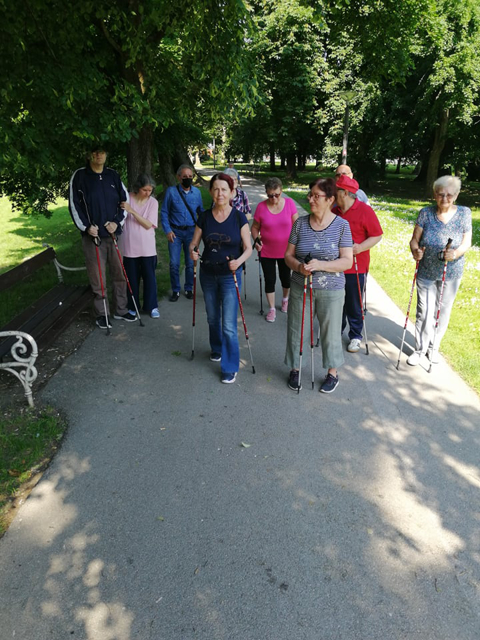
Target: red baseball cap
347	184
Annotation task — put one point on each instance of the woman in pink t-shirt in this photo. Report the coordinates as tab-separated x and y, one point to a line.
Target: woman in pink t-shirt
138	244
271	229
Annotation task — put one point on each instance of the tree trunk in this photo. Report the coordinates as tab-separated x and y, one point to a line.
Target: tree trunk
441	134
140	155
399	165
291	170
383	166
282	161
272	157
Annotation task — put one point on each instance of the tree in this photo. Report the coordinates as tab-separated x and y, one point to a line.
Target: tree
142	76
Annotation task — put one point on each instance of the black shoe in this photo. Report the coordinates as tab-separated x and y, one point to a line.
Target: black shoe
101	322
126	316
215	357
189	295
175	296
329	384
293	381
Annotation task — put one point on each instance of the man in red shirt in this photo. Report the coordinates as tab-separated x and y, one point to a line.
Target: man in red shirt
366	233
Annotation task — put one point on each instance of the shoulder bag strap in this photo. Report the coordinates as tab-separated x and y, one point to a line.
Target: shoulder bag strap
185	203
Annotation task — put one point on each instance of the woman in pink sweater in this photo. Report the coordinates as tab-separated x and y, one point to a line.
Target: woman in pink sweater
271	228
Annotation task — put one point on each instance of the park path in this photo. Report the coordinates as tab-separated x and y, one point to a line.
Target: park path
179	508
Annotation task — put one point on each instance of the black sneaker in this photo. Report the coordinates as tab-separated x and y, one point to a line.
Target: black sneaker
127	317
101	322
329	384
175	296
215	357
189	295
293	380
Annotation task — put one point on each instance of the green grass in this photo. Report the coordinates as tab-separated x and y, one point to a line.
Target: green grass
28	440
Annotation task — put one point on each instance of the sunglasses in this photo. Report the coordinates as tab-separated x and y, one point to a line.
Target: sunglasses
270	196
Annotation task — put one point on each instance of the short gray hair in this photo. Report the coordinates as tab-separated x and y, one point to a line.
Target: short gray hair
182	167
232	173
273	183
448	182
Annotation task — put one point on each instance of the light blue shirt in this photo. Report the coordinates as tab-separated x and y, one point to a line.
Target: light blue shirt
174	210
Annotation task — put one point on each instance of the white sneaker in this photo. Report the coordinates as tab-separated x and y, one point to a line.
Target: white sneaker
414	358
354	345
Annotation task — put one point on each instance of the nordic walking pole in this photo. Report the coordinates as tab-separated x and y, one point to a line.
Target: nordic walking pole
259	258
243	317
245	280
408	313
96	242
312	366
361	304
194	303
449	243
318	337
126	278
307	259
311	334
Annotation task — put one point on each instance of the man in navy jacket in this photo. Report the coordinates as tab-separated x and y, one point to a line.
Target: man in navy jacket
94	203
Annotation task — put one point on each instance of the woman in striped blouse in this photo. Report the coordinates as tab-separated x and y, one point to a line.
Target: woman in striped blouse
326	239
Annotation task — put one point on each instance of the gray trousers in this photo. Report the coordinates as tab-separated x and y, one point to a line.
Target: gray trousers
328	308
107	254
428	297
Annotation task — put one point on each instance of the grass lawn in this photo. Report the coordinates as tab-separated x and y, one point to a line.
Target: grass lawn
28	441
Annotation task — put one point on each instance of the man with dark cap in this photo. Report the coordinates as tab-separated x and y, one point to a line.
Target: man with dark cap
96	192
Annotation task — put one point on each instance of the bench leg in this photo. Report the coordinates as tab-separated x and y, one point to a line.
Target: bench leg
23	366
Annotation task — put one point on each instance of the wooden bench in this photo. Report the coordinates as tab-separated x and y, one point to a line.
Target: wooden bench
41	322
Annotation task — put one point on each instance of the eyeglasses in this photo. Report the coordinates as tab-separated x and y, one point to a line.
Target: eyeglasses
316	196
270	196
445	196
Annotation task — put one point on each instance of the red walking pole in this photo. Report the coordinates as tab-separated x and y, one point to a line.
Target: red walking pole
126	278
361	304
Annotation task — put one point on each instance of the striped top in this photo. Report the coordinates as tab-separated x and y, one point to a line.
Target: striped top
321	245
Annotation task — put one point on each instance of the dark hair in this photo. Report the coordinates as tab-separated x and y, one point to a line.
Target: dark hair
273	183
143	180
327	185
221	176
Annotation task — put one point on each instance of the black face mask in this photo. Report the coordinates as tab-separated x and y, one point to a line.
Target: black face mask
187	182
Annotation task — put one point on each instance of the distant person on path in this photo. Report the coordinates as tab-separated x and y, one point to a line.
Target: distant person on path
180	209
138	244
366	233
240	200
227	245
232	168
272	226
326	239
434	227
95	194
344	170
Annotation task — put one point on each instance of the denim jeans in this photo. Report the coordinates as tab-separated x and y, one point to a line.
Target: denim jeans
221	304
183	238
352	309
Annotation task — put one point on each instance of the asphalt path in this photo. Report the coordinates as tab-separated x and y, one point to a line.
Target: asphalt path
181	508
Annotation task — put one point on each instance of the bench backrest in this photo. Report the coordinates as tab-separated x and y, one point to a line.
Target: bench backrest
26	269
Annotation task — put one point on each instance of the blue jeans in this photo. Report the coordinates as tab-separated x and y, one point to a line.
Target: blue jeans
352	309
183	238
221	304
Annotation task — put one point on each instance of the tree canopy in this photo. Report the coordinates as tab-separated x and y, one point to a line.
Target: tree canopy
150	78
